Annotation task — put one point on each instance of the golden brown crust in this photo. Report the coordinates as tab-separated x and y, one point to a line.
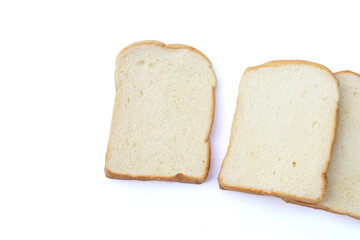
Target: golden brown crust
163	45
319	206
347	71
212	112
279	63
329	157
135	44
260	192
178	177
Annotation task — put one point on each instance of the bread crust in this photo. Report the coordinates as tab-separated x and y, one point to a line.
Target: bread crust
163	45
279	63
348	71
321	207
179	177
318	205
176	178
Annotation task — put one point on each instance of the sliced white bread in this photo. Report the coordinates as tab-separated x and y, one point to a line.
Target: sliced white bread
283	131
343	176
163	113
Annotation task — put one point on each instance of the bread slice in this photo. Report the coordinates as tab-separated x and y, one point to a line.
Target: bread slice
283	131
163	113
343	176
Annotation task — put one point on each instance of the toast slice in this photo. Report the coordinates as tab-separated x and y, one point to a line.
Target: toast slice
163	114
343	176
283	131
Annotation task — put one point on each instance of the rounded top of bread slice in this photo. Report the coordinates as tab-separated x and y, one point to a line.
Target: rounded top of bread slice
284	63
283	131
174	53
353	75
163	45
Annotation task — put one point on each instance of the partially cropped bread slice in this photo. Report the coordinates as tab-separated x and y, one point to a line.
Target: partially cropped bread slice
283	131
163	113
343	176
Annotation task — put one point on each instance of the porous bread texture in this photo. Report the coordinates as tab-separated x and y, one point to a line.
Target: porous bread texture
343	176
283	131
163	113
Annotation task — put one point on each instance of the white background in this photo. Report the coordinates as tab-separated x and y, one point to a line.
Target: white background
56	99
